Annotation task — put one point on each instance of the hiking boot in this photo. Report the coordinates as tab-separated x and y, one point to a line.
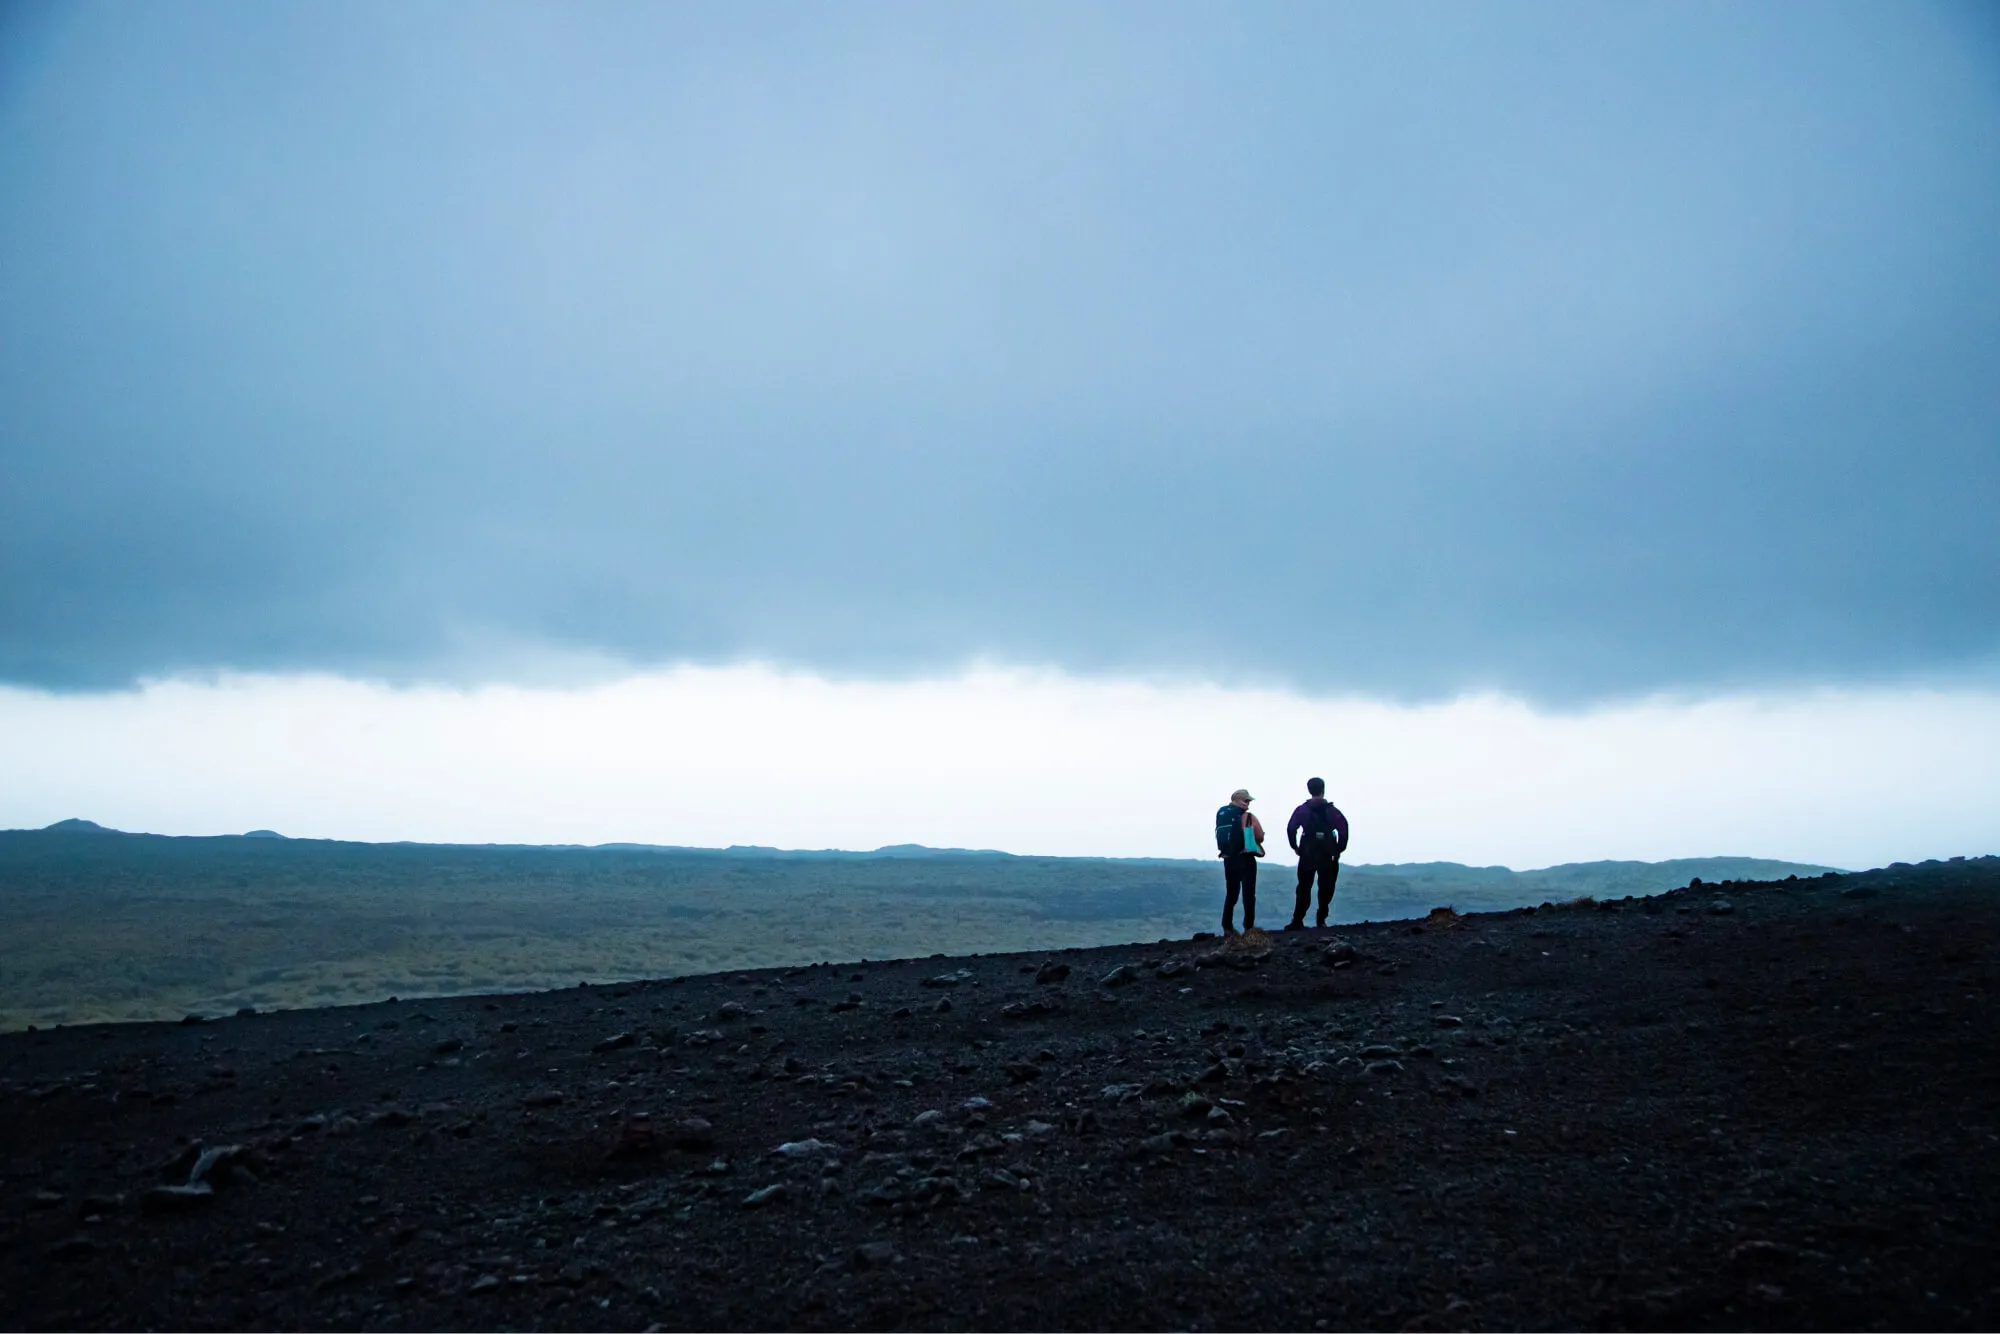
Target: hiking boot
1295	926
1319	922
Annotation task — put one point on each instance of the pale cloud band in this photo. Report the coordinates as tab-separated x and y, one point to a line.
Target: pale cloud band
1024	761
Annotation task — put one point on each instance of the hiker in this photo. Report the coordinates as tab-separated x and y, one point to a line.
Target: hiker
1239	841
1317	832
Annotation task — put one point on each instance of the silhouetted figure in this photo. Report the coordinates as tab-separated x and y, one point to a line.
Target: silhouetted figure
1317	831
1239	841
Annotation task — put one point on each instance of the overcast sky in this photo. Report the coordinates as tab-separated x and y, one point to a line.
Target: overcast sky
1579	355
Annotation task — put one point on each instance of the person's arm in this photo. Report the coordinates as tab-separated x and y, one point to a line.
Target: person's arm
1340	826
1257	825
1293	826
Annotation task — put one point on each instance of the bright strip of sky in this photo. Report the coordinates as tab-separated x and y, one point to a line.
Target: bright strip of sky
1030	762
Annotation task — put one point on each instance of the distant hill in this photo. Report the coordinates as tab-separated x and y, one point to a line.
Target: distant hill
79	827
1605	880
895	850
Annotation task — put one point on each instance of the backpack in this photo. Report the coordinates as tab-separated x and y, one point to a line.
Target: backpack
1317	829
1229	830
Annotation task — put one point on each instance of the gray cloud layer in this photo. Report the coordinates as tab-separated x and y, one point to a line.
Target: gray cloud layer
1574	350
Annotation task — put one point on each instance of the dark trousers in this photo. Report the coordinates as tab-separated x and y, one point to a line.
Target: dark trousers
1239	876
1328	871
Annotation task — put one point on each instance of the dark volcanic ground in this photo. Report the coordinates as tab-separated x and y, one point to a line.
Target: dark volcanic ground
1774	1105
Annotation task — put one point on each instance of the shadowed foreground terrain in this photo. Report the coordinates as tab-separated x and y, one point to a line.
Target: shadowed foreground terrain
1772	1105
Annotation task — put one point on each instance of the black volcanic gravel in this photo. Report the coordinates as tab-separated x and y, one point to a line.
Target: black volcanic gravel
1768	1106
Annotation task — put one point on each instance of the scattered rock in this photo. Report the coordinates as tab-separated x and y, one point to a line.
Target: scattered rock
615	1042
448	1046
1762	1254
730	1011
1123	975
1447	1021
76	1247
772	1194
1721	908
175	1199
1051	973
635	1137
484	1283
1029	1009
694	1134
1119	1092
806	1148
874	1255
1384	1067
542	1098
951	979
932	1119
217	1165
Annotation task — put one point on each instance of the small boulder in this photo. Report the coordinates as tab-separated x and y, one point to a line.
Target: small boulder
694	1134
874	1255
77	1247
175	1199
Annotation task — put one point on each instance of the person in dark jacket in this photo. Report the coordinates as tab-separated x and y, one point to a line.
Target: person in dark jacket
1317	832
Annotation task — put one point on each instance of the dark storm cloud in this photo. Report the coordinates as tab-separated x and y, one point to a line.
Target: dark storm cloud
1573	350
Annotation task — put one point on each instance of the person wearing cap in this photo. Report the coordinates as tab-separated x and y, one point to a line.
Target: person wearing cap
1239	861
1317	832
